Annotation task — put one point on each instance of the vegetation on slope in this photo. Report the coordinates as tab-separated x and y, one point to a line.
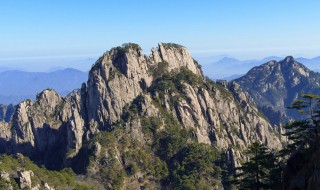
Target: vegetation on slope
294	167
64	179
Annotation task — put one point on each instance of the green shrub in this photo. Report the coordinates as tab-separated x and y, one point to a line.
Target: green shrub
173	45
57	179
193	166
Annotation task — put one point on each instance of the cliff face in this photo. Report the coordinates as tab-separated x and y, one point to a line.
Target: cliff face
123	73
275	85
49	129
6	112
125	90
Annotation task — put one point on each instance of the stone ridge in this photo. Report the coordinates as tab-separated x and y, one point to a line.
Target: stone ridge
275	85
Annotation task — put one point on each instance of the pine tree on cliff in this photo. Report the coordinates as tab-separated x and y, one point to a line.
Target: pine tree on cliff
303	134
260	172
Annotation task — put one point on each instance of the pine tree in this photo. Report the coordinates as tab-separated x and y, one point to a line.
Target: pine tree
304	141
262	171
302	134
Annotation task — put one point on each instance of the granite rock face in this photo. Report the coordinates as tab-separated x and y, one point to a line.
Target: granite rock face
48	128
25	179
54	129
123	73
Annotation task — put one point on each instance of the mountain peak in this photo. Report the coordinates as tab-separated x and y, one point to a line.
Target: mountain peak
228	59
289	59
278	84
129	58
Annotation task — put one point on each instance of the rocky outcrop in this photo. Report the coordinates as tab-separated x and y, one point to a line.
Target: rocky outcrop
5	176
47	187
50	128
5	137
275	85
25	179
222	117
177	56
124	88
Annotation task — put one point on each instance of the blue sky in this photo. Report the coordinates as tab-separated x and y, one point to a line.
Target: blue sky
54	29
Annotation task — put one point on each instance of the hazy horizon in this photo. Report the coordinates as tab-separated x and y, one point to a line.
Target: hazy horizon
84	62
41	35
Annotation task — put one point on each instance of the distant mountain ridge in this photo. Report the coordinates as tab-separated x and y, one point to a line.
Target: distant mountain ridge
313	64
275	85
17	85
228	67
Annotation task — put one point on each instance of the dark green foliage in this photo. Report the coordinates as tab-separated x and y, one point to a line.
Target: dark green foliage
113	72
3	184
134	156
125	48
160	69
160	169
170	141
190	165
134	109
132	168
168	45
120	52
303	148
133	46
262	171
168	118
105	138
150	126
182	75
193	167
214	86
57	179
304	133
173	82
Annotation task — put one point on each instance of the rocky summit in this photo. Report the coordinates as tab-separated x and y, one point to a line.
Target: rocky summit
140	117
275	85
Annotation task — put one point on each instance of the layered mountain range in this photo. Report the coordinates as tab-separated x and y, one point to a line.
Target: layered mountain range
135	114
228	68
17	86
276	84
